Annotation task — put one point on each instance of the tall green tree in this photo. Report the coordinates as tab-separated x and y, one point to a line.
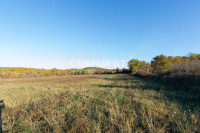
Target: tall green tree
134	65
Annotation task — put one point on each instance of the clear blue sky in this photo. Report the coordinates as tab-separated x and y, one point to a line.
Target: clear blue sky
60	33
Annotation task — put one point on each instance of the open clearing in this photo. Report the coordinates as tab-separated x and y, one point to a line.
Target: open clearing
95	103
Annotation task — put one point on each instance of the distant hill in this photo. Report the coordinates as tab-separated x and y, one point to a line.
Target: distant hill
17	72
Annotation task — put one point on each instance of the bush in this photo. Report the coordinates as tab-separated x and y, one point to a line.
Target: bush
108	72
190	67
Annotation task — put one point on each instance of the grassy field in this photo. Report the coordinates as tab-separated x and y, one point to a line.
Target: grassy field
96	103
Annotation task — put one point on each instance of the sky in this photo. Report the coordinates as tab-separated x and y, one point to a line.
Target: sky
103	33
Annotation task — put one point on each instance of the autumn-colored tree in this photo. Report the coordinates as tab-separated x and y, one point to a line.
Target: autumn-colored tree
161	64
134	65
177	59
193	56
185	59
198	56
170	58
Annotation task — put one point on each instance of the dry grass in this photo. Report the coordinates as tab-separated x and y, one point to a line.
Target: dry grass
97	103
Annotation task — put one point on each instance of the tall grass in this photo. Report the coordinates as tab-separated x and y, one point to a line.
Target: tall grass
97	103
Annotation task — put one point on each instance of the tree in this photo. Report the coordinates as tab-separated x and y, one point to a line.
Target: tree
118	70
193	56
161	64
198	56
134	65
177	59
124	70
185	59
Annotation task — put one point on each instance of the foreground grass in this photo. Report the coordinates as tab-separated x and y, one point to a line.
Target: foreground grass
98	103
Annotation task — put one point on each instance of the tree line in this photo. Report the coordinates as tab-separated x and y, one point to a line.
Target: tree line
167	64
11	72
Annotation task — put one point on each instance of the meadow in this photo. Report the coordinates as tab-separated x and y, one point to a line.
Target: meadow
96	103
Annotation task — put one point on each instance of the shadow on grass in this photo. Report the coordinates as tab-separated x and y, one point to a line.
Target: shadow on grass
1	107
187	96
